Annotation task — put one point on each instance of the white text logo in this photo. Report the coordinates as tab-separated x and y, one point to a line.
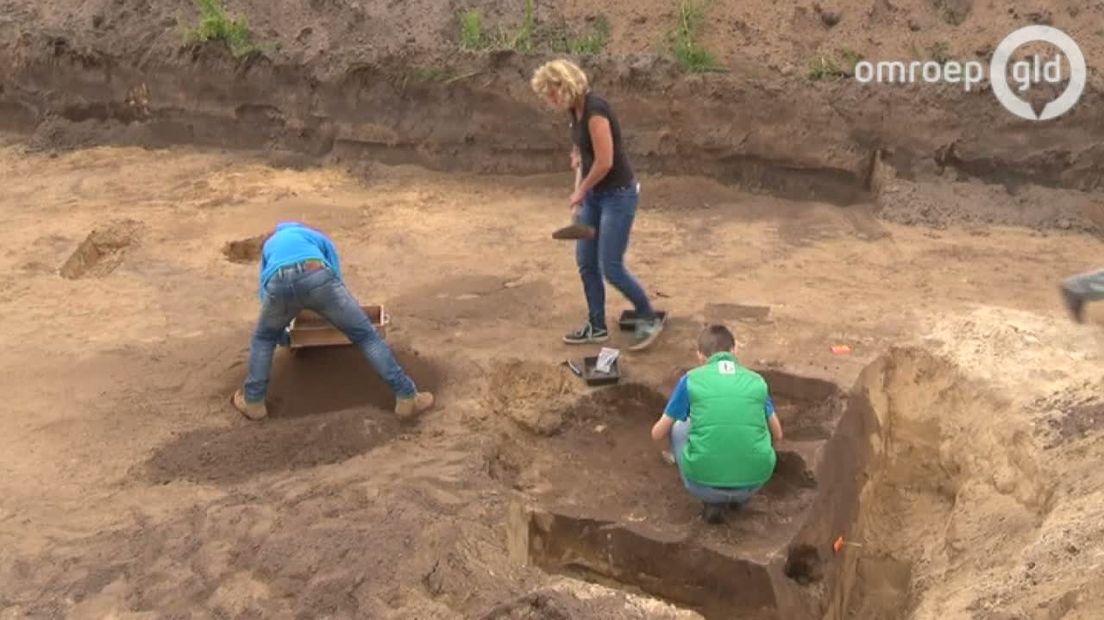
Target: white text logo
1024	73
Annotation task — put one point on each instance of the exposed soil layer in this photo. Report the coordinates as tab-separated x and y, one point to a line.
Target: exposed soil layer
936	488
349	81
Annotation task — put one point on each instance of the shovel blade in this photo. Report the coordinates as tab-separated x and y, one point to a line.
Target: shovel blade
574	231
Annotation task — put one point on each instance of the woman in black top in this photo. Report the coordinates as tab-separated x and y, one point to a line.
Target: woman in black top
608	195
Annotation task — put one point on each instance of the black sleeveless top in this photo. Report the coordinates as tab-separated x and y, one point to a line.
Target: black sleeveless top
621	174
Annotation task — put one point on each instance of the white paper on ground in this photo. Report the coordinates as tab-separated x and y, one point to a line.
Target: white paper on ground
606	357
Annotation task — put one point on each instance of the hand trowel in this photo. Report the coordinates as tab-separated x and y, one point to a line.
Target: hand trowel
577	229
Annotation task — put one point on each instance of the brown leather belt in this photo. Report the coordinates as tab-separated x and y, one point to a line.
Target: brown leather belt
313	265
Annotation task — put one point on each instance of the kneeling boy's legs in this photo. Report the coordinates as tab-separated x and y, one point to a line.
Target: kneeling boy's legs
680	433
717	495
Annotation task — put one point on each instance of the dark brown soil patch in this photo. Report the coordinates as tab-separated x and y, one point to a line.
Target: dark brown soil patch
102	250
554	604
716	313
326	379
1078	421
223	455
542	605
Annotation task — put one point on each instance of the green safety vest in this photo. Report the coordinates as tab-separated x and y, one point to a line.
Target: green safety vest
729	442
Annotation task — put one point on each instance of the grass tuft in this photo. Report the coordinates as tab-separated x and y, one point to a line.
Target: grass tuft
687	32
216	25
593	42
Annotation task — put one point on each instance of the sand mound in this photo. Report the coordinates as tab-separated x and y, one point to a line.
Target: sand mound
102	250
246	250
533	395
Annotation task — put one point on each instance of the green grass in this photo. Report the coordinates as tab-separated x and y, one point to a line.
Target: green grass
473	37
523	39
688	52
825	68
530	36
471	30
590	43
850	59
834	66
216	25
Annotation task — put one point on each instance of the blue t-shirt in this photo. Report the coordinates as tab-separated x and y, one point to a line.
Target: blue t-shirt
292	243
679	405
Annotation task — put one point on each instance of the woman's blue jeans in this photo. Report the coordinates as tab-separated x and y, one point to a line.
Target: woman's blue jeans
611	214
294	289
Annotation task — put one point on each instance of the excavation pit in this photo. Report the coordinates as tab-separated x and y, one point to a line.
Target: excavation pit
326	405
598	502
328	379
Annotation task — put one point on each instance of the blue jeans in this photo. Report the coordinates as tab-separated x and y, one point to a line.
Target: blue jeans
611	214
680	436
293	289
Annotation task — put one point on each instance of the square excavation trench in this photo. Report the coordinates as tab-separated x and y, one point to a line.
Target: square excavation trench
601	505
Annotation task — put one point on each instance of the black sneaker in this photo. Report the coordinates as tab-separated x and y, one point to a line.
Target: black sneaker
713	513
587	334
1075	305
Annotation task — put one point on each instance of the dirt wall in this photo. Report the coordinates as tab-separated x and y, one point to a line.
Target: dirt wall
349	81
949	503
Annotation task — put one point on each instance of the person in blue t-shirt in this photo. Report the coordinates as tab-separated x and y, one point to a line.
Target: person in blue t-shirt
300	270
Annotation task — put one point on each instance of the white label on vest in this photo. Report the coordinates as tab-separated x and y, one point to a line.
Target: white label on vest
726	367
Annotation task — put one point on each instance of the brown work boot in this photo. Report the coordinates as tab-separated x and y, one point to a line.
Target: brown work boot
407	409
253	411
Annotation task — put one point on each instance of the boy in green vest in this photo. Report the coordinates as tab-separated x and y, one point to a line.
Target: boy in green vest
722	427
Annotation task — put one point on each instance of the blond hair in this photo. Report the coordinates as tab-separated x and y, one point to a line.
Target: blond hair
562	77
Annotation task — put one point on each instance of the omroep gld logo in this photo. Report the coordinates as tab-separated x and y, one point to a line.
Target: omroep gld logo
1024	73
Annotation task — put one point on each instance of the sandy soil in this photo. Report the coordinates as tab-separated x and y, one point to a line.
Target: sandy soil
129	486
